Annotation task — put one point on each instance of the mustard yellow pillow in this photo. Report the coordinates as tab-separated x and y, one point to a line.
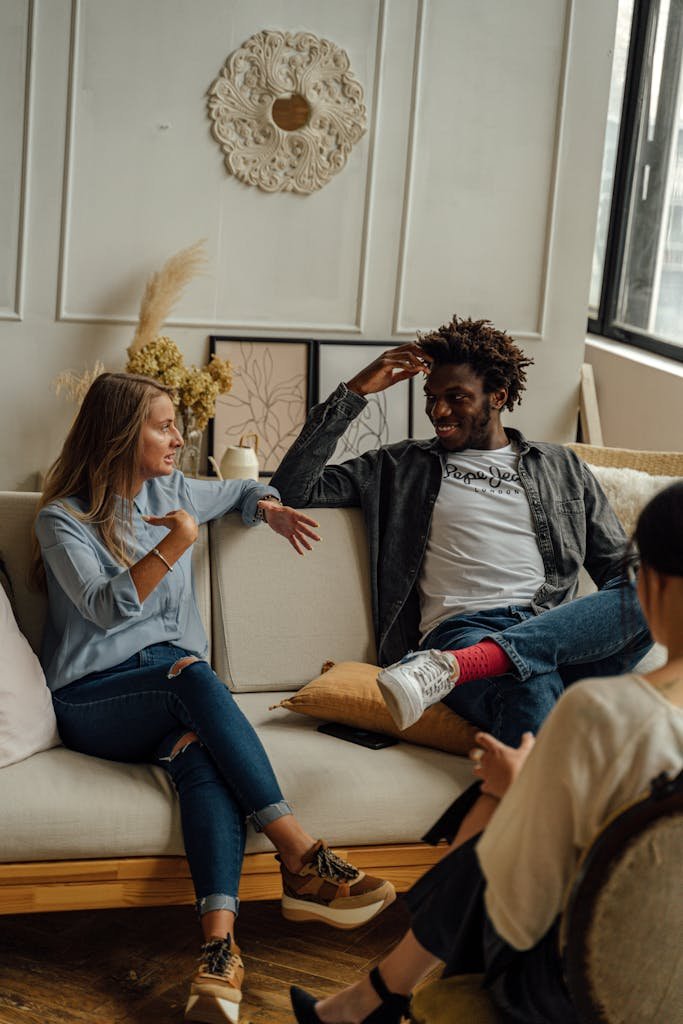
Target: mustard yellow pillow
348	693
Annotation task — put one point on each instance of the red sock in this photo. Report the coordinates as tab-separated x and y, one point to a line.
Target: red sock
481	661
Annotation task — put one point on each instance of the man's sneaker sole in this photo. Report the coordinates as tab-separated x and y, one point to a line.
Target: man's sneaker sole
337	917
404	710
211	1010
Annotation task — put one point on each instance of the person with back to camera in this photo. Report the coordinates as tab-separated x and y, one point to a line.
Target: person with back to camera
124	654
476	540
493	903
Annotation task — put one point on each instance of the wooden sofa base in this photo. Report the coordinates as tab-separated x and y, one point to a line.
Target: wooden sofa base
41	886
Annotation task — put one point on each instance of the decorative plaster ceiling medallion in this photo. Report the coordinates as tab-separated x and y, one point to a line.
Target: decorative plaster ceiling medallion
286	111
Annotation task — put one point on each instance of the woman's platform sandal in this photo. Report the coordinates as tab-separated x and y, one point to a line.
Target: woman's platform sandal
391	1010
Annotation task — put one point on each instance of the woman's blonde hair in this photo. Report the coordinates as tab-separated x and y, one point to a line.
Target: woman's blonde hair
99	460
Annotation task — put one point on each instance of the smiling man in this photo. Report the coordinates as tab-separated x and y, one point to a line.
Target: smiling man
476	540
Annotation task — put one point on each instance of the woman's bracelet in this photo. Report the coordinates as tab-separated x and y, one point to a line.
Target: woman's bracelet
155	551
260	515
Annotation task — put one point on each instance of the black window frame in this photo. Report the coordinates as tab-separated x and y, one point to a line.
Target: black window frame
643	27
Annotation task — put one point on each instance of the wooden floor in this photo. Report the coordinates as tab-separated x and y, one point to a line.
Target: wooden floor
133	966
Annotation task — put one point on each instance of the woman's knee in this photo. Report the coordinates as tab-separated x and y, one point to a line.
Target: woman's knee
181	745
188	762
195	672
180	664
176	744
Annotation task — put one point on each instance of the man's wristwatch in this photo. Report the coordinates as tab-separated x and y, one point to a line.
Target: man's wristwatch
260	515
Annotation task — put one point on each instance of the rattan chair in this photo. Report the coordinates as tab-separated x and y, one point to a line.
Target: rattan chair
622	928
655	463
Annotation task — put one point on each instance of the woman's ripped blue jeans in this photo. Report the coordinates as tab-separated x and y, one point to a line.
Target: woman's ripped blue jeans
140	711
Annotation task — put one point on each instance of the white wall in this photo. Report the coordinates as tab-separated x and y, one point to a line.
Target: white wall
640	396
474	190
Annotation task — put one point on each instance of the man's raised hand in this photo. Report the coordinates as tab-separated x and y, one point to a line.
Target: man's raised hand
392	366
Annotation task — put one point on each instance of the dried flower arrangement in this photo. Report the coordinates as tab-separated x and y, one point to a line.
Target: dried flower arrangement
75	385
158	356
196	388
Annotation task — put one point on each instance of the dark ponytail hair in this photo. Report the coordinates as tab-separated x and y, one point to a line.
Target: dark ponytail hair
659	533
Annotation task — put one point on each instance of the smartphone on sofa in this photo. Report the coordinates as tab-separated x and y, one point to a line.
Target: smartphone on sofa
363	737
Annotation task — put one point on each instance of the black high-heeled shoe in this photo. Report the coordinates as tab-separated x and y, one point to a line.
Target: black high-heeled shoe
391	1010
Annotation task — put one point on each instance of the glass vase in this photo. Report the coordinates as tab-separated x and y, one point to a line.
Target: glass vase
188	461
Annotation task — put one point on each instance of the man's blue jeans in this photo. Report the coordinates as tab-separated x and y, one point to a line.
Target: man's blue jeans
138	711
598	635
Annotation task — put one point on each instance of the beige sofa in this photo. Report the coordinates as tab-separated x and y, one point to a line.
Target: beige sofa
78	832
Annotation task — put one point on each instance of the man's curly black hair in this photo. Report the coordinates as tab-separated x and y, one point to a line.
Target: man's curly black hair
492	354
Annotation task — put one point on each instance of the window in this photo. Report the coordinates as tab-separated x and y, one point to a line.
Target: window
637	281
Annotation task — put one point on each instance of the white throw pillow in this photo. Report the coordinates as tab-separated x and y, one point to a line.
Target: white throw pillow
629	490
27	718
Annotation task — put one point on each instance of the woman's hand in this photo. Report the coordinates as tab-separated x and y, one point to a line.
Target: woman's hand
290	523
180	523
496	764
154	566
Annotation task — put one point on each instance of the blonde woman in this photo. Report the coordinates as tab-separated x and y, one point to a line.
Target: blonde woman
124	655
492	904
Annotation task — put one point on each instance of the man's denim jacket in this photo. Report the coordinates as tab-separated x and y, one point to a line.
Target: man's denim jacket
396	487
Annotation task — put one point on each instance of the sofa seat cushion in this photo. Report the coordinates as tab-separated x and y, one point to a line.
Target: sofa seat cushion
349	794
60	805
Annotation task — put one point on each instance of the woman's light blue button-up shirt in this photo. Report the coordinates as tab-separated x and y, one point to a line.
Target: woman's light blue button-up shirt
95	618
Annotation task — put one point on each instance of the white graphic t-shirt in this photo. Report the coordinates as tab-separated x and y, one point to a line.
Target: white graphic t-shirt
482	550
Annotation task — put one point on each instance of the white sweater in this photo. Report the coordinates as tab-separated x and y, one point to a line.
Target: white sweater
600	748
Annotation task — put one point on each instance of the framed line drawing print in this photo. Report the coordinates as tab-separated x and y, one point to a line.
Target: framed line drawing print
386	417
270	395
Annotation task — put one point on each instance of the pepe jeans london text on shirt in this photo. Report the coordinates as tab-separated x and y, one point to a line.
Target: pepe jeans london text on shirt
491	479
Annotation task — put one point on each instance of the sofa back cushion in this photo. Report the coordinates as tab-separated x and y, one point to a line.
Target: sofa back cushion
17	512
277	616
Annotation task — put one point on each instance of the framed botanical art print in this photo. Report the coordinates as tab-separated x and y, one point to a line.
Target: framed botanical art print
386	417
270	395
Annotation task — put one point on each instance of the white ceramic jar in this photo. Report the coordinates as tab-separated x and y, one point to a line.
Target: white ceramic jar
240	461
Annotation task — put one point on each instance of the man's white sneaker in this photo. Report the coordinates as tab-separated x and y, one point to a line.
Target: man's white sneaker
417	681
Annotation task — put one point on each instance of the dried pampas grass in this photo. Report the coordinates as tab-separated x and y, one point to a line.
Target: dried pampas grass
163	290
75	385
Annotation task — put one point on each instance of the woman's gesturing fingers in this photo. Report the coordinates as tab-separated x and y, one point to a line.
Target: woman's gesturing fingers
295	526
179	522
497	764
